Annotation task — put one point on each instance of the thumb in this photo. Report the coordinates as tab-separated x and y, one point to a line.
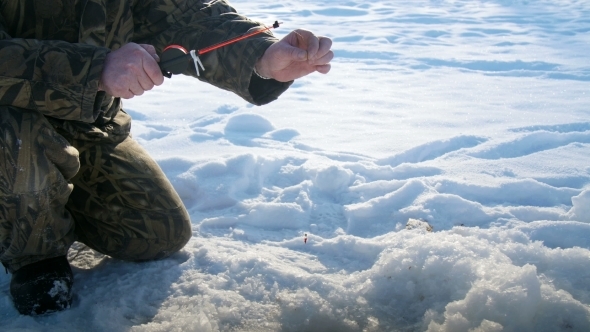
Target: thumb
298	54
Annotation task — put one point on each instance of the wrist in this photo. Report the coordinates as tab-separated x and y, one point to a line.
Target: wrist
260	71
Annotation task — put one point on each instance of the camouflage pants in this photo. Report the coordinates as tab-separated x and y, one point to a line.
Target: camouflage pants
108	194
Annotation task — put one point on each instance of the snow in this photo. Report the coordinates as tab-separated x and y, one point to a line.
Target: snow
467	121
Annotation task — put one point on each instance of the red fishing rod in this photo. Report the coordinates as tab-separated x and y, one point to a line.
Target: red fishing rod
175	59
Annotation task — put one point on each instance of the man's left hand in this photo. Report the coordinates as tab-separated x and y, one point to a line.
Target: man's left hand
298	54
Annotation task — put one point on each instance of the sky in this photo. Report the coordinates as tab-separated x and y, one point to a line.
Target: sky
437	179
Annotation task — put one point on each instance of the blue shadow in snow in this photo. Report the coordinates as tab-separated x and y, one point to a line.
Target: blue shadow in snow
366	55
432	150
336	11
493	66
562	128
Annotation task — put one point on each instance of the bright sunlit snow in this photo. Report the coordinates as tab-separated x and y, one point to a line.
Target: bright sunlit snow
441	174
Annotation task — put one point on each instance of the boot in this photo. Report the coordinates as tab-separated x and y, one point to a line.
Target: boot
42	287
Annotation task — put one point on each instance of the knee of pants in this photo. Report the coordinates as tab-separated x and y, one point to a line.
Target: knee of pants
174	241
155	249
164	239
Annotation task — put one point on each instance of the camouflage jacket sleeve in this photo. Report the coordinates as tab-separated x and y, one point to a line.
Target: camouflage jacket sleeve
56	78
198	24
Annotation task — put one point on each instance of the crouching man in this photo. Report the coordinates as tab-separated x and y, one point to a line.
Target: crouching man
69	170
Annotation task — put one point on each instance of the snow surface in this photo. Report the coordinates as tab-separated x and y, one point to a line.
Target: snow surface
468	118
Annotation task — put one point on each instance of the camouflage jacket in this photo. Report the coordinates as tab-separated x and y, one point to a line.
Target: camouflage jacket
52	52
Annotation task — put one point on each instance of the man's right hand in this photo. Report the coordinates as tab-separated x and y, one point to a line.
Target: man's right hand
130	71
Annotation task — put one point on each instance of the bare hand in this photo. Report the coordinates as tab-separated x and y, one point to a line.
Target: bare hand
298	54
130	71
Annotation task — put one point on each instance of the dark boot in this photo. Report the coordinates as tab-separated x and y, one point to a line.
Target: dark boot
42	287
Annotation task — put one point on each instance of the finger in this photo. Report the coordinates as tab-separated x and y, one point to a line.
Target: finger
323	69
324	59
289	46
293	53
325	45
136	89
143	78
148	74
120	88
152	72
151	50
311	43
145	83
127	95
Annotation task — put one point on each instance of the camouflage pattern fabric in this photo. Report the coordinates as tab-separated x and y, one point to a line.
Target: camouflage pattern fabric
123	204
54	121
117	199
51	55
35	165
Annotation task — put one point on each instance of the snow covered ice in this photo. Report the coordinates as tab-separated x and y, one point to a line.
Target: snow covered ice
471	117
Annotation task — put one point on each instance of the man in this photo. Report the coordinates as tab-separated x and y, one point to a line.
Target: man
69	171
